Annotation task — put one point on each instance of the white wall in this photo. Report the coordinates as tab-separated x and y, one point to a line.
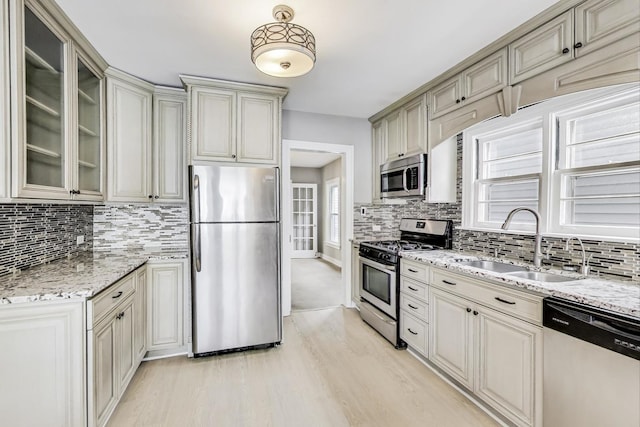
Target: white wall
301	126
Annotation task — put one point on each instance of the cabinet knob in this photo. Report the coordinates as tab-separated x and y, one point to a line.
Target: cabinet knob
457	101
468	310
577	45
475	313
151	196
565	50
233	156
156	197
463	98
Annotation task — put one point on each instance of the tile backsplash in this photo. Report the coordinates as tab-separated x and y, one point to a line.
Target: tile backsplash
33	234
128	225
613	260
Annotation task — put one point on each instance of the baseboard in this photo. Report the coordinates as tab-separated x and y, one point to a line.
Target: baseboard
489	411
333	261
162	354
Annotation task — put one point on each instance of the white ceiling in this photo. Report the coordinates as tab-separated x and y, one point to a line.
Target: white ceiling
369	52
311	159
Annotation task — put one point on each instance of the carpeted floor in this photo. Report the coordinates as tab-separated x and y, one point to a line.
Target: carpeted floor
315	284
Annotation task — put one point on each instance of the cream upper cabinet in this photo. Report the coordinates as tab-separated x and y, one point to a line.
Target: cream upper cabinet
601	22
129	104
147	141
258	128
43	368
5	137
169	145
589	26
406	131
395	132
542	49
56	108
481	79
234	122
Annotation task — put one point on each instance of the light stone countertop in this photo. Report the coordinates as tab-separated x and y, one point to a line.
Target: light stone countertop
620	297
81	276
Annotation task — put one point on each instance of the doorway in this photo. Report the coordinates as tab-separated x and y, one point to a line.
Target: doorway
332	261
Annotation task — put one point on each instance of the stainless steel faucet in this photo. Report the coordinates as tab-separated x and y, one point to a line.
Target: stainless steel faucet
537	251
584	268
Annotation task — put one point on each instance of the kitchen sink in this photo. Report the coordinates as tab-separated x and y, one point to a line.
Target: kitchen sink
498	267
542	277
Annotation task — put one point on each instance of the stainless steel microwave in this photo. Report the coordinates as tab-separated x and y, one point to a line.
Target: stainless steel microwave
404	178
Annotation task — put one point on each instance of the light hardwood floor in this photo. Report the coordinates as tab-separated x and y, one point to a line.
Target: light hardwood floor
315	283
331	370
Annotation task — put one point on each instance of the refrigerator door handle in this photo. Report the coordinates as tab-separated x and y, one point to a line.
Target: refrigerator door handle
197	248
196	198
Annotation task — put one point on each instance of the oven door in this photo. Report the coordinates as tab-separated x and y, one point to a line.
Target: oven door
378	285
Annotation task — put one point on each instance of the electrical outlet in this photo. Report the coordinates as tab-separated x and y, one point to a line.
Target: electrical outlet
80	239
363	211
375	228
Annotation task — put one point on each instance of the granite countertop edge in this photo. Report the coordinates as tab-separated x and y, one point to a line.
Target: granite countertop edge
619	297
80	276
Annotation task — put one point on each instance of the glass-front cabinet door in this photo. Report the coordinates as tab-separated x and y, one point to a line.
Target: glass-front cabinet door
57	108
44	89
89	130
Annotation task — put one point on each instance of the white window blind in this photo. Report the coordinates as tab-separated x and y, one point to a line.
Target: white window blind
334	211
509	164
575	159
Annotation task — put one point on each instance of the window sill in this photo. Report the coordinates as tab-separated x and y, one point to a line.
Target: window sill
332	245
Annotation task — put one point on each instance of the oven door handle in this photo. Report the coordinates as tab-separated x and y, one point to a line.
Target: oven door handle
370	263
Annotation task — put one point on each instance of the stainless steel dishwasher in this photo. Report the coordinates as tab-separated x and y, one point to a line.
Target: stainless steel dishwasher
591	366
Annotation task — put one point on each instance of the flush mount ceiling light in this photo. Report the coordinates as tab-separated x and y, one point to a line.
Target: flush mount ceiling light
282	49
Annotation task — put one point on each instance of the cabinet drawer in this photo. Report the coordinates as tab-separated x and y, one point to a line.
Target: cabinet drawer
109	298
413	332
415	270
415	289
519	304
415	307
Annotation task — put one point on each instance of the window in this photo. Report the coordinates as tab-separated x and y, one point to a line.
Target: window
575	159
333	210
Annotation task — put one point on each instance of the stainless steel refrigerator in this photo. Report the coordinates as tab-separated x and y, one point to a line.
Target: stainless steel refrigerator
235	257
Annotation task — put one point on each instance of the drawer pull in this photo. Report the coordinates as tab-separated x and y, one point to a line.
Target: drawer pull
505	301
448	282
412	270
118	295
413	289
412	306
414	333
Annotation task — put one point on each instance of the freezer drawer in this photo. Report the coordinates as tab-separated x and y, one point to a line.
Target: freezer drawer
235	286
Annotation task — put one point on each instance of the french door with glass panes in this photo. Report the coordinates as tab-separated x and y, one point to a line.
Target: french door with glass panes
305	230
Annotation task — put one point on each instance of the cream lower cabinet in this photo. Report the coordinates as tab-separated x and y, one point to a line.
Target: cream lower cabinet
42	367
494	354
113	343
167	294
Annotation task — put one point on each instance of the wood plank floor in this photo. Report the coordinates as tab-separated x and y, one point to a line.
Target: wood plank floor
315	283
331	370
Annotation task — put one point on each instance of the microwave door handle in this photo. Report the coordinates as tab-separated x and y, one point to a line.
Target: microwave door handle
404	179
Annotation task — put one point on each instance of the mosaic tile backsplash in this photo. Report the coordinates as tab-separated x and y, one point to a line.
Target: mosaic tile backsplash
128	225
613	260
31	235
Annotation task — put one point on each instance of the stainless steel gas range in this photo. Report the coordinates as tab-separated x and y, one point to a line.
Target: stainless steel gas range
380	266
